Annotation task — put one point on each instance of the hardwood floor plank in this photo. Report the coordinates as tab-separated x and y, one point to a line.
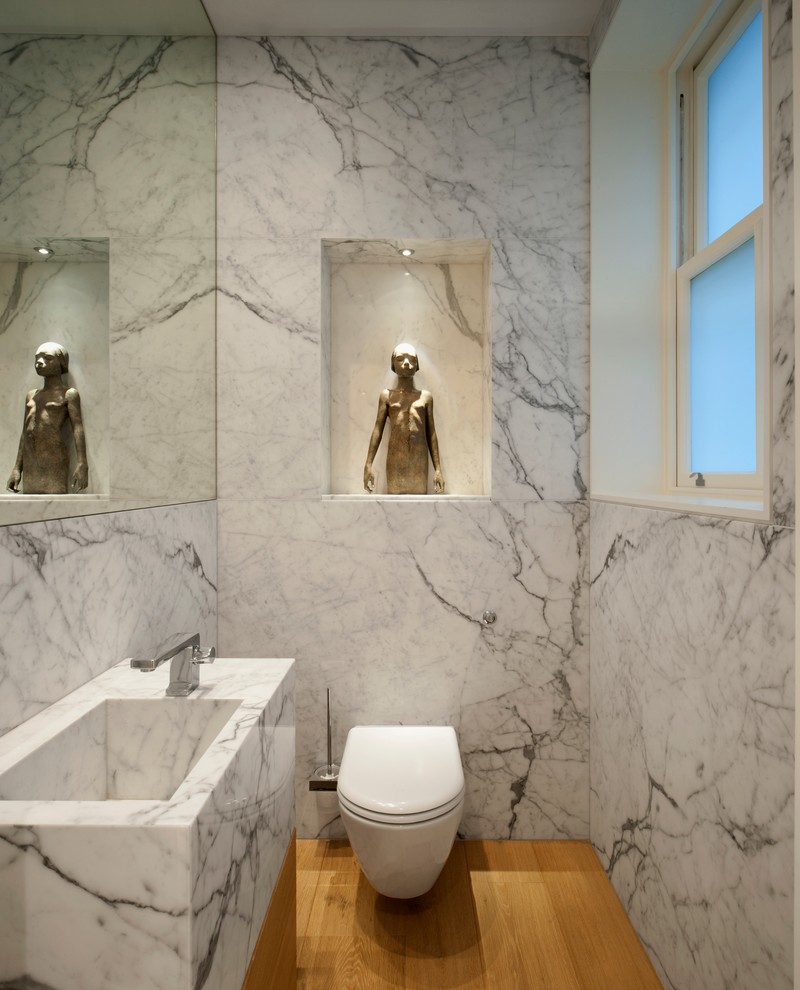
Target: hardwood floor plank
310	854
521	942
335	910
326	861
501	861
442	944
503	916
566	856
605	950
346	963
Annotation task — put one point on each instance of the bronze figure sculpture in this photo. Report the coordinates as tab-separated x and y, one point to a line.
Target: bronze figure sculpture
412	432
43	456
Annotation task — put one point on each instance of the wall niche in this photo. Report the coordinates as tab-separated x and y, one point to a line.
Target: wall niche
438	299
62	296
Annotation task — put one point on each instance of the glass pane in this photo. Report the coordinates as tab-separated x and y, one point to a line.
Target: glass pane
722	364
735	135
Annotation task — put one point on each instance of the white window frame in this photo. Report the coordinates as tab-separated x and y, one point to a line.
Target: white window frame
751	227
693	255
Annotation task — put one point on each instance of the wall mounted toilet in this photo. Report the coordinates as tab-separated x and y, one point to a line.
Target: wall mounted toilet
401	797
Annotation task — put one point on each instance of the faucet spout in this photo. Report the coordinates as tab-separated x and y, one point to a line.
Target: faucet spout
165	652
183	673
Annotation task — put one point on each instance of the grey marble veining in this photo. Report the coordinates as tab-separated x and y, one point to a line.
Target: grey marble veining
422	139
692	754
782	262
79	111
391	138
166	890
382	602
113	137
692	686
78	595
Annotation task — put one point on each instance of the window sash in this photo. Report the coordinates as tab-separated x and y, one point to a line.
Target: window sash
702	73
692	255
750	227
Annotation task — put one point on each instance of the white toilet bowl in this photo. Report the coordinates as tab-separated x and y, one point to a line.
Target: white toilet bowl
401	796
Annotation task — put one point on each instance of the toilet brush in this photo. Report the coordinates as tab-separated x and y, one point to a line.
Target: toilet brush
325	777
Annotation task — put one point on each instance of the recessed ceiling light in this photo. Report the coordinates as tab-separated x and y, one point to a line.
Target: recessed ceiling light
406	252
45	252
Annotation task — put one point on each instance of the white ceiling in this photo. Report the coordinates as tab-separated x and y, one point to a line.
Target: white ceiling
392	18
359	18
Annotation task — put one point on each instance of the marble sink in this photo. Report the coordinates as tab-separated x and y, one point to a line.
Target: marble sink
136	830
122	749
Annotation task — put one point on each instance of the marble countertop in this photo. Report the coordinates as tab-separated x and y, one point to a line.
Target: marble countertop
255	683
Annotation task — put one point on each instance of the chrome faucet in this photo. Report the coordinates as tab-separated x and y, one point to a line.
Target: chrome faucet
186	657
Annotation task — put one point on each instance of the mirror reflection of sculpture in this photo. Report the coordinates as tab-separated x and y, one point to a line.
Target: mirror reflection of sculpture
42	463
412	432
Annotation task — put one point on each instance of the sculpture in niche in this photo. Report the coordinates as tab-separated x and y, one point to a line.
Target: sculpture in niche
43	458
412	434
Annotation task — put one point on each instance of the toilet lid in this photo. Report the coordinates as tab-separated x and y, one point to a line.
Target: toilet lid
401	769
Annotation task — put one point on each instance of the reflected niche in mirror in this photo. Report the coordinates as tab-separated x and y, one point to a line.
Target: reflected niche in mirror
59	289
115	150
412	433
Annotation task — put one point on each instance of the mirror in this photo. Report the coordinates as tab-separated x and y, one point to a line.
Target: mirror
107	161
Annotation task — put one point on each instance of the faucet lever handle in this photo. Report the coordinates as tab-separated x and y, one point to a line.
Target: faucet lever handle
199	657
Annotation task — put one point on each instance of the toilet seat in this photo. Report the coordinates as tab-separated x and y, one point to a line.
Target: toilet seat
371	815
401	774
401	798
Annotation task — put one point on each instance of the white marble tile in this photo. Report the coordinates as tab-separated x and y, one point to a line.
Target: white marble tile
432	139
113	137
162	422
268	379
240	847
382	602
384	140
168	892
782	262
540	370
692	739
78	595
77	909
238	862
106	135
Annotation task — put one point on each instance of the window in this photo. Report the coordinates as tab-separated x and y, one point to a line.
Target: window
721	338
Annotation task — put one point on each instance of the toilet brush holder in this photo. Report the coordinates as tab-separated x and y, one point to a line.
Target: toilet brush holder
325	778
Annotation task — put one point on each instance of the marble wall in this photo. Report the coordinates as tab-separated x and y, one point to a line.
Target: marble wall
471	139
692	624
79	595
113	137
692	688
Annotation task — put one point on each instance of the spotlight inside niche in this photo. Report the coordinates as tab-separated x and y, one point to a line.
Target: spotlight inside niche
45	252
406	252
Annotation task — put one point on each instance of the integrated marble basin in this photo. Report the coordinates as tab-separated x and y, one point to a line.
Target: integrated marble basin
140	836
120	750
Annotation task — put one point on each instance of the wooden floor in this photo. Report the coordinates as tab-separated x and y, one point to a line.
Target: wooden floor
510	915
